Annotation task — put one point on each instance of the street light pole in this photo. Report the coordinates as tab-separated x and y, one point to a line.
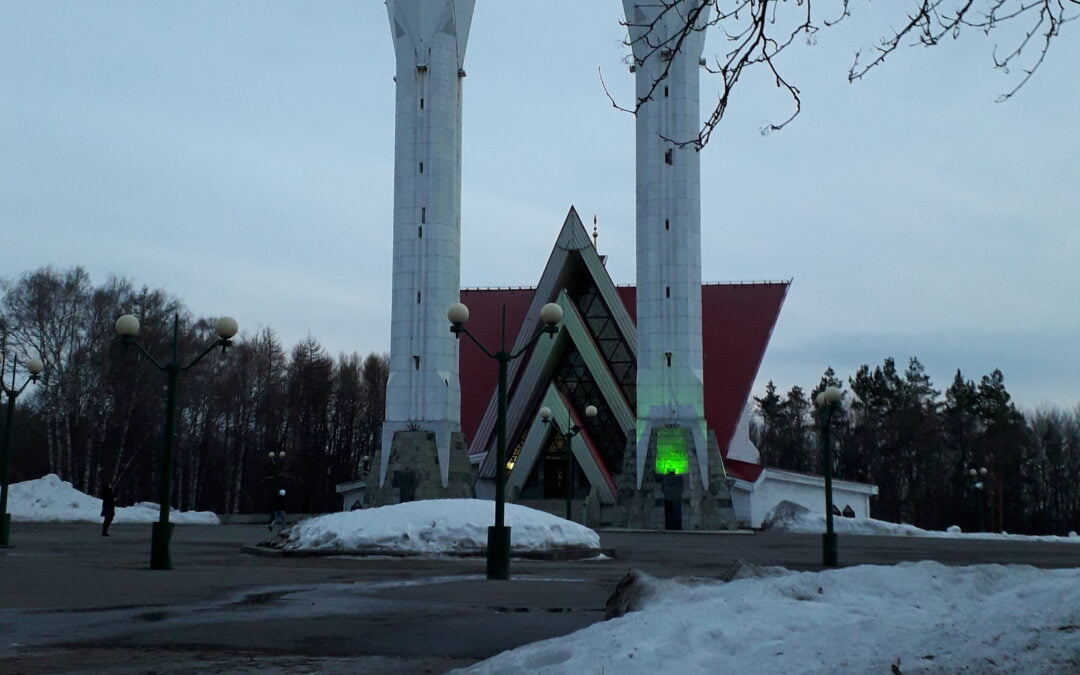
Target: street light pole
498	548
127	327
978	478
571	431
34	367
827	402
277	463
499	537
277	499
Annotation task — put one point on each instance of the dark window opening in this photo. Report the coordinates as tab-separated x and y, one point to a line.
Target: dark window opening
418	297
668	355
669	157
421	167
421	104
665	92
420	231
667	291
667	224
416	361
423	214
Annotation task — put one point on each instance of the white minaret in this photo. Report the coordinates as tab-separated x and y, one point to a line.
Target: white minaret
423	393
669	371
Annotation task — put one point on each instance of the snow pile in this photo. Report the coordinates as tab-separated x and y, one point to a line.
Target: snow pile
435	526
791	517
49	499
913	617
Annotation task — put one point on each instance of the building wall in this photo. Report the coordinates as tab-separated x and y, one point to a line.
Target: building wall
741	498
809	491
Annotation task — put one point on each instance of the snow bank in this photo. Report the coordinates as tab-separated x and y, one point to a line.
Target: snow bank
791	517
49	499
435	526
917	617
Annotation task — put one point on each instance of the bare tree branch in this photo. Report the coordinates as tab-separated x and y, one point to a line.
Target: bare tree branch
759	31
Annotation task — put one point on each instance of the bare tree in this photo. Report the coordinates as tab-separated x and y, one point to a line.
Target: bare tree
98	411
45	313
757	32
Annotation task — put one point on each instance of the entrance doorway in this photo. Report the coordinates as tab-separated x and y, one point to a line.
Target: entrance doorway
673	489
555	478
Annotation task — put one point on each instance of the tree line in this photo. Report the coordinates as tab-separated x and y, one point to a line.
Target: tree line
895	430
95	416
95	419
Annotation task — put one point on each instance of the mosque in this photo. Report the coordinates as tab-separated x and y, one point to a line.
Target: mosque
632	411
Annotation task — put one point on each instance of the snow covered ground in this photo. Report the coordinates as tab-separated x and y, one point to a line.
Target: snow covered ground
918	617
911	617
788	517
49	499
435	526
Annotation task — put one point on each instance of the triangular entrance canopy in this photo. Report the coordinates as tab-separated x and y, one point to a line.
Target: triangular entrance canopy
589	362
592	361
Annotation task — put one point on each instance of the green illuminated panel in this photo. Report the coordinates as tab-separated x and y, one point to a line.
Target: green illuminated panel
671	454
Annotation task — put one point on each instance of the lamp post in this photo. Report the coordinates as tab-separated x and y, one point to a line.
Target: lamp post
498	547
827	404
571	431
34	367
127	327
277	461
978	478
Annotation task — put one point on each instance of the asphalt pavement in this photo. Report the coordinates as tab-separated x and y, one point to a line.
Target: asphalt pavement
72	601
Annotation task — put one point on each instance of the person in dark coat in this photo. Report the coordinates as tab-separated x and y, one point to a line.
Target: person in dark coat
279	511
108	509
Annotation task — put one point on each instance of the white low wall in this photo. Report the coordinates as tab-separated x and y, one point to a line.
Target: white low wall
753	501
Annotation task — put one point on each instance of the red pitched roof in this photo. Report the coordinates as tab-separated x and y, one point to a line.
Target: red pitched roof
737	321
479	374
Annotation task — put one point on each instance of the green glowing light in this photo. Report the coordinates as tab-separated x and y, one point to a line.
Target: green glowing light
671	454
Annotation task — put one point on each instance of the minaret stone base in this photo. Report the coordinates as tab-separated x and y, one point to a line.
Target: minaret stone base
414	473
694	507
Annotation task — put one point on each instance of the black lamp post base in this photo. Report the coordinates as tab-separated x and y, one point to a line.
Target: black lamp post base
828	549
498	552
5	529
159	546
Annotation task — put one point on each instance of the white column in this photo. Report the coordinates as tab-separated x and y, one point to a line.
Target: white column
669	369
423	392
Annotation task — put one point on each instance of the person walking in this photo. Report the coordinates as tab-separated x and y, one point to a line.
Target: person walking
279	511
108	509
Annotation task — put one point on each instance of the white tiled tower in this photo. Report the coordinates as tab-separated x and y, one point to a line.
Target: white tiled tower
669	375
423	393
670	391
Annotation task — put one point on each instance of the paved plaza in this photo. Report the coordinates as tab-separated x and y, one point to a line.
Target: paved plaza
72	601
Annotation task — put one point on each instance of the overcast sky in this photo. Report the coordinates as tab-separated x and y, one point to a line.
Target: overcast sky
240	155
